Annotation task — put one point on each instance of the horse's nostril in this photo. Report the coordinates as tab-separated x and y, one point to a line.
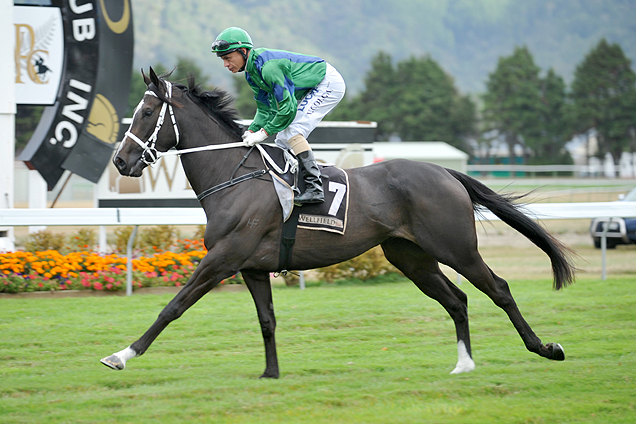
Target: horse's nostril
120	163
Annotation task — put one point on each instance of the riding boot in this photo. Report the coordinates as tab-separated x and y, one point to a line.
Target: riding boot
311	175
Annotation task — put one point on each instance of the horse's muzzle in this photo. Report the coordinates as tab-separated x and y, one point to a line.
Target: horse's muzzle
129	170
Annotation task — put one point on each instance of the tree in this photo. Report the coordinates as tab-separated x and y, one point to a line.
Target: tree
604	97
555	128
416	100
513	101
429	107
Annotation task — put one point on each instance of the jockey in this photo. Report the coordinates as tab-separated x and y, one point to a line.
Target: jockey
293	93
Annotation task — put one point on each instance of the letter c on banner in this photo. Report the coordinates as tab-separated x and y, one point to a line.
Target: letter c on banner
121	25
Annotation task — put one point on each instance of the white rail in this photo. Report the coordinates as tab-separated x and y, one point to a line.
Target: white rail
195	216
101	216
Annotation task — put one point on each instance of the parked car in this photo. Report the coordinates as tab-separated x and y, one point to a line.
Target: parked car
621	230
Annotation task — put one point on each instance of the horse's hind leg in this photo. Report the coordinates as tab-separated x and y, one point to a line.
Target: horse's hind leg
261	290
424	271
481	276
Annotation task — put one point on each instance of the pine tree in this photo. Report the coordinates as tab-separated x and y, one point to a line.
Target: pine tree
555	130
512	103
604	96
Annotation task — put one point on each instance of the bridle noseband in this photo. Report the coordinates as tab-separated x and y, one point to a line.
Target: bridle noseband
151	155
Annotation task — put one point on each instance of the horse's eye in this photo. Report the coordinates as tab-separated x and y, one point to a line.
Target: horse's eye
147	112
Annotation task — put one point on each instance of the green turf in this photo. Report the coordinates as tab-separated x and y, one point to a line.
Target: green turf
348	354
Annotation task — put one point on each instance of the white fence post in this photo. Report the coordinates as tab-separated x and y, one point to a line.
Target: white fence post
129	265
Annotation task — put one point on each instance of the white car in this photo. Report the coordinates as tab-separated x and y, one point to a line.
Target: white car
621	230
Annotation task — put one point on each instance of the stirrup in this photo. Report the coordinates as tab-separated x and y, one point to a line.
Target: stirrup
309	197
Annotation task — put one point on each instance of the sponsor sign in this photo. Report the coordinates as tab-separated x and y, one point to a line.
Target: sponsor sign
78	131
39	54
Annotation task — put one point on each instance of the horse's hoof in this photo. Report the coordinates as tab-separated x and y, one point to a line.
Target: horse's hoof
556	352
113	362
269	375
467	366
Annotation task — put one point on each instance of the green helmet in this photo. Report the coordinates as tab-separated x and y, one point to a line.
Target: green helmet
230	40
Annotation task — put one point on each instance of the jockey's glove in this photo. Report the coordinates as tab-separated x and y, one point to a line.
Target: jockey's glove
252	138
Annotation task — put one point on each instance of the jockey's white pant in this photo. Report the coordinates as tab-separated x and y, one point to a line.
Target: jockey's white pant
314	106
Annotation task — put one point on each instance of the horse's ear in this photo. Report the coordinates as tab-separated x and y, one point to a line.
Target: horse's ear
153	77
146	79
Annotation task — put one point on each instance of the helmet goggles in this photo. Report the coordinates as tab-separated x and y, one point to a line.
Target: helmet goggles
223	47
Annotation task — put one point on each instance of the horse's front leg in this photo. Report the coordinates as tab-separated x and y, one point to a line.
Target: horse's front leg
207	275
259	285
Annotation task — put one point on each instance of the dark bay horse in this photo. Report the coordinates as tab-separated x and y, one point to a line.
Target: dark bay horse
419	213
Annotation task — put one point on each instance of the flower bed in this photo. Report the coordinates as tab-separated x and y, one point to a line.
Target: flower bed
50	270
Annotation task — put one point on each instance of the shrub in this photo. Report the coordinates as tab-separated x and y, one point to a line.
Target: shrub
122	234
200	233
368	265
44	240
82	239
158	238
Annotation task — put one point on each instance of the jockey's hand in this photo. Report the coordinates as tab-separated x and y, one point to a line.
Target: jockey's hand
252	138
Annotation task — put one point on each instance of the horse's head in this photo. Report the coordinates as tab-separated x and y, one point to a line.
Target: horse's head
147	134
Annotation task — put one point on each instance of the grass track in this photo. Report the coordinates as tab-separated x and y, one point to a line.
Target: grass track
348	354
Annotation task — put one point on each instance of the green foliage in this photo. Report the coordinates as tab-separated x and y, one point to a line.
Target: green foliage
364	267
512	102
199	234
555	128
604	96
158	238
527	110
45	240
122	235
149	239
26	119
82	239
416	101
465	36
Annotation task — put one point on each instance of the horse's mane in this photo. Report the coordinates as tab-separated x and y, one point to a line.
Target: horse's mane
217	103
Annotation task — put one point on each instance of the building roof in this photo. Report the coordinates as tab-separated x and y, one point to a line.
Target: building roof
417	150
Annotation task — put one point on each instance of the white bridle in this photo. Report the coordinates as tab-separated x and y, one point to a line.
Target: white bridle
151	155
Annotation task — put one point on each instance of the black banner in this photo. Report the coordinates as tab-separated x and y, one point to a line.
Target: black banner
78	132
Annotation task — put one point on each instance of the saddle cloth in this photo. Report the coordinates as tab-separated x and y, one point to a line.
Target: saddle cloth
331	215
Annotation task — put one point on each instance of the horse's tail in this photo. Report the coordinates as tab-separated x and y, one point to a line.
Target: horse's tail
510	213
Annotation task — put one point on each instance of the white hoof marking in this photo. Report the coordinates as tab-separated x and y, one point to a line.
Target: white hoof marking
117	361
464	362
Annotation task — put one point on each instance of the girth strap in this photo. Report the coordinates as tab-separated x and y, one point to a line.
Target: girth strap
230	183
288	238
